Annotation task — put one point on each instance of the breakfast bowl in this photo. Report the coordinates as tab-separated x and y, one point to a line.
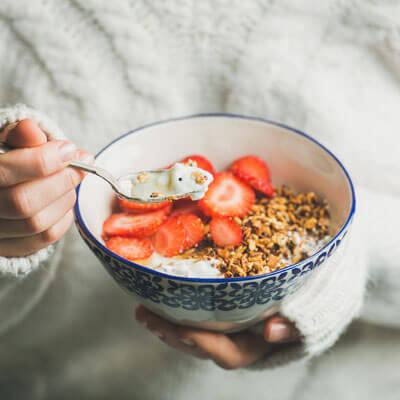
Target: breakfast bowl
220	304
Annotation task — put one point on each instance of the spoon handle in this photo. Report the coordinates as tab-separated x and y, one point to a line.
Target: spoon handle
84	167
100	172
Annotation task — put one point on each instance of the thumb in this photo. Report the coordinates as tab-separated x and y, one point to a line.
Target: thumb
279	330
25	133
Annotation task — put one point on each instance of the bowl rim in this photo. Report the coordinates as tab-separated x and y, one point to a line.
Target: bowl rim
81	223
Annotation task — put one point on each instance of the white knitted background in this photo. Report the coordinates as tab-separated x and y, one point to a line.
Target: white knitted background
100	68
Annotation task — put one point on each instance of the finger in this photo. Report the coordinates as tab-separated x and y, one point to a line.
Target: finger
229	353
28	198
26	133
29	245
167	332
22	165
279	330
39	222
252	347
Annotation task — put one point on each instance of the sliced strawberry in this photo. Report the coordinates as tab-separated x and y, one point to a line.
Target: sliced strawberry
263	187
130	248
170	239
227	196
201	162
225	232
136	225
186	206
194	229
255	172
132	207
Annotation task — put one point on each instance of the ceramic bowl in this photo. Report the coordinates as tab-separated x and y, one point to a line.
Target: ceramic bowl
225	305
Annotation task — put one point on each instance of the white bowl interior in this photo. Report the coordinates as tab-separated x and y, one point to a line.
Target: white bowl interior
293	160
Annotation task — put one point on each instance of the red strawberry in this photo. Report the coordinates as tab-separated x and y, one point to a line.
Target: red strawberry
130	248
132	207
186	206
136	225
227	196
225	231
170	239
201	162
255	172
194	229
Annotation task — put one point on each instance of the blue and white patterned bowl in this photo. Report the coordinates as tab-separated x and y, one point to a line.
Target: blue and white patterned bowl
225	305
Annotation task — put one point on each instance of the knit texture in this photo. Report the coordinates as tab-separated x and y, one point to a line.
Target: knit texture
21	266
381	233
100	68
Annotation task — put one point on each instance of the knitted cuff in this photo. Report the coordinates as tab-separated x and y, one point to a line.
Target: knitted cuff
21	266
9	115
324	306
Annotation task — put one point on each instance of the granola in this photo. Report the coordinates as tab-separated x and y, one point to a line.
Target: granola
277	232
198	177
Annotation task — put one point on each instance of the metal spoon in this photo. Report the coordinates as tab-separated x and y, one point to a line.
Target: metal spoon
115	182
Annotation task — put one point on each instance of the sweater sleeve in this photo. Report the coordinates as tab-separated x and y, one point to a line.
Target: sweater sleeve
381	218
326	304
323	308
22	266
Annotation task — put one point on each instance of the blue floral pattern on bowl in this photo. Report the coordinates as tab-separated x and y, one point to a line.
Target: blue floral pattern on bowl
224	296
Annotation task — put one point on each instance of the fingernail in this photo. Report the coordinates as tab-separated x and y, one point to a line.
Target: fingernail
66	151
188	342
86	157
279	332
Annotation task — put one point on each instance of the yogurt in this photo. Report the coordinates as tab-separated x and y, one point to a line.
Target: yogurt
174	182
187	268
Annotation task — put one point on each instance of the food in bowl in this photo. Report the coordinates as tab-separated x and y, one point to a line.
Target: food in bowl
208	302
241	227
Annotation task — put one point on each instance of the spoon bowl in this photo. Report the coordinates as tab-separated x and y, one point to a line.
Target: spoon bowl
118	186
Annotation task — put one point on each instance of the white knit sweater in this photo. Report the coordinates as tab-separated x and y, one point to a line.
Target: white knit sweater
100	68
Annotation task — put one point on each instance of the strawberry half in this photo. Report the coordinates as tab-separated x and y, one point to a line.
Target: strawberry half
255	172
132	207
201	162
136	225
225	232
186	206
170	239
194	229
227	196
130	248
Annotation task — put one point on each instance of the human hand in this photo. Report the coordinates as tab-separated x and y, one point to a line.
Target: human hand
227	351
36	189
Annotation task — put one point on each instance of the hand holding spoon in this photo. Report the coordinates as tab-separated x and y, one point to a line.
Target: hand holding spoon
153	186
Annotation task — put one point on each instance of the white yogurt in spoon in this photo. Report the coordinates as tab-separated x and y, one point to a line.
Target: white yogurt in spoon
176	181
